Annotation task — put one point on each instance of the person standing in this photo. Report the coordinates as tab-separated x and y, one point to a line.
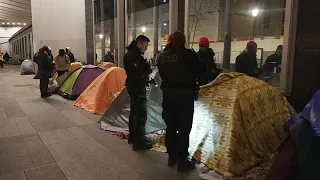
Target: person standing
206	55
70	54
62	62
1	62
6	57
137	70
45	66
246	62
179	68
274	61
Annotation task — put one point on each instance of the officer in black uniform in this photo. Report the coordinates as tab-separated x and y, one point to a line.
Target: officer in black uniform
138	71
179	68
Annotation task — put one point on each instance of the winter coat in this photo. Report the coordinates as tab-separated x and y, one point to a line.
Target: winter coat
62	63
246	63
136	67
44	63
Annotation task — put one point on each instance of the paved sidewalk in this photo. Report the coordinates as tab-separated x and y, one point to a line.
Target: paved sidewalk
49	139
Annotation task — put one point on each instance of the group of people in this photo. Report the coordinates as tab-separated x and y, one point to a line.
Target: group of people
46	63
247	63
4	58
182	71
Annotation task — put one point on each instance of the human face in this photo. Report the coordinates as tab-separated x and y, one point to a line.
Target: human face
143	46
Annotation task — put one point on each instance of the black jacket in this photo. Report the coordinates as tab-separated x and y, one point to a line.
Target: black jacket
272	61
136	67
247	63
179	68
71	57
44	63
206	55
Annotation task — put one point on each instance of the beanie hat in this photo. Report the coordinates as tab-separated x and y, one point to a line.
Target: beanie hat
252	45
203	40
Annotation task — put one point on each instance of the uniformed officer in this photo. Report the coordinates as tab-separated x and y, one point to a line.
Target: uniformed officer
138	71
179	68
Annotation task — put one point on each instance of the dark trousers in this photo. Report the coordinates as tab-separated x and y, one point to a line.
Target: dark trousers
61	72
138	113
44	82
1	64
178	108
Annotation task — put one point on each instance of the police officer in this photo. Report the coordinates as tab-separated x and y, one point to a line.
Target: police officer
138	71
179	68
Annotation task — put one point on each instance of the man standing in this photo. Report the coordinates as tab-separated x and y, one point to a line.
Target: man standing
273	61
246	62
206	55
138	71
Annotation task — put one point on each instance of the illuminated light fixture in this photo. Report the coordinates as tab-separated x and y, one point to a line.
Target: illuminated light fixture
8	23
24	24
255	12
2	23
164	1
19	23
165	24
100	36
14	23
143	29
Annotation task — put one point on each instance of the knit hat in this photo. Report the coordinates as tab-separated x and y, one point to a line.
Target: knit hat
252	45
203	40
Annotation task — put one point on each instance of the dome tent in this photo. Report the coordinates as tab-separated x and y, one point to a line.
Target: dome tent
75	84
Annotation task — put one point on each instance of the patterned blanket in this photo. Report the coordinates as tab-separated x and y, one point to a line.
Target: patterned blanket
238	124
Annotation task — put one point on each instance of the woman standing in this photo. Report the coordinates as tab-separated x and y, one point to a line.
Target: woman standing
62	62
45	65
179	68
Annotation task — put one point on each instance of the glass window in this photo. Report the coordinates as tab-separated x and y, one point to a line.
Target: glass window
149	18
261	21
105	13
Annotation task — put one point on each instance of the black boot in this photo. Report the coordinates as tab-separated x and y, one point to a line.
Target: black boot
130	140
185	165
142	146
172	160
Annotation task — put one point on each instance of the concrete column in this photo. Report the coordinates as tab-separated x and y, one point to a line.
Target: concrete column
173	15
121	31
186	20
155	27
228	35
102	30
56	25
133	19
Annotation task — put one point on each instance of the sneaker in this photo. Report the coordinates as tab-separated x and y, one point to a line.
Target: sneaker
142	146
185	165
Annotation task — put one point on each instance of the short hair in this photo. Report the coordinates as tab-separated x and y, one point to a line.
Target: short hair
142	38
280	47
176	39
62	52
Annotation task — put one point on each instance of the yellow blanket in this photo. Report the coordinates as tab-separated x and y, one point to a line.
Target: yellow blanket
237	124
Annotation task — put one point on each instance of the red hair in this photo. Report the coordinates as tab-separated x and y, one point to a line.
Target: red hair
176	39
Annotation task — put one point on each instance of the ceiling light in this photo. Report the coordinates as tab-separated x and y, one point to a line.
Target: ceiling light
8	23
14	23
2	23
100	36
18	23
165	24
24	24
255	12
143	29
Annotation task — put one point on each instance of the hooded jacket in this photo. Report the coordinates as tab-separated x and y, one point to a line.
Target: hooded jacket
206	55
136	66
246	63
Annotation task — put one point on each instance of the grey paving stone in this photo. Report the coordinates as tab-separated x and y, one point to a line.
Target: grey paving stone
2	113
60	135
50	122
77	118
32	108
50	172
14	176
8	128
24	126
